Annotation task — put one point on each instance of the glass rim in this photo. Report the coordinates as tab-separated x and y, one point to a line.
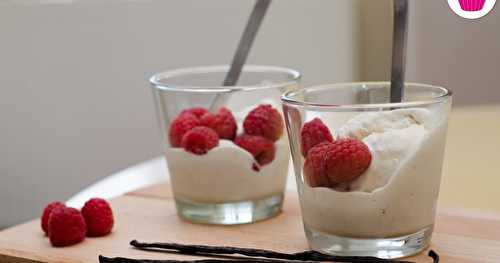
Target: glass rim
287	99
158	80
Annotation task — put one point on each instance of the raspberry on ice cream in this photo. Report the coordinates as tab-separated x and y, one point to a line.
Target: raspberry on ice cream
182	124
347	160
197	111
200	140
315	166
46	213
223	122
66	226
98	217
261	148
264	121
331	163
313	133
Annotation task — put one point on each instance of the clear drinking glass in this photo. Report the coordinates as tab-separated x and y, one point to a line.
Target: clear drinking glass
370	187
236	181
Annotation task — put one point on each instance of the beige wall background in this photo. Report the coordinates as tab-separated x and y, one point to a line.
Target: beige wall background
443	49
460	54
74	102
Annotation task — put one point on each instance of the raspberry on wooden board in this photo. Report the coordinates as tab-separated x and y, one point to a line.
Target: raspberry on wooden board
98	217
46	214
66	227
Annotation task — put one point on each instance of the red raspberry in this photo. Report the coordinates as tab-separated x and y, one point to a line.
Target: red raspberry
46	213
330	163
66	227
223	123
312	134
182	124
200	140
315	166
197	111
347	160
98	217
264	121
261	148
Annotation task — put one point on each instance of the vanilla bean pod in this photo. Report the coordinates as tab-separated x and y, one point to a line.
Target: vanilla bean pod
216	250
434	256
103	259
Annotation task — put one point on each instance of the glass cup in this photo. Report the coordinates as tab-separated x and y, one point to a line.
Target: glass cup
221	172
368	171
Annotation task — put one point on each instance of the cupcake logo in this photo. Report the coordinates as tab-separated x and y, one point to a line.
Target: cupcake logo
471	5
471	9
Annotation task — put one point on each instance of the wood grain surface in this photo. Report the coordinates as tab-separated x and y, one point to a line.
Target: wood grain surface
149	215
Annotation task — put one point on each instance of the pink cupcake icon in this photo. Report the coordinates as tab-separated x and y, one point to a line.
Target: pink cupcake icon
472	5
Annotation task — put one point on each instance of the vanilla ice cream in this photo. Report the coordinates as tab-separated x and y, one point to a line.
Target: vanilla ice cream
397	194
225	174
392	138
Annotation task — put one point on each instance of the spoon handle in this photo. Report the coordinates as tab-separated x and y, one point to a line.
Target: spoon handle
399	40
246	41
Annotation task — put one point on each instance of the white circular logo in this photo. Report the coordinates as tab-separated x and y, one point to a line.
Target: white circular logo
471	9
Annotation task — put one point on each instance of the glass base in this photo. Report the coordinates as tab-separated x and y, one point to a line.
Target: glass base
229	213
387	248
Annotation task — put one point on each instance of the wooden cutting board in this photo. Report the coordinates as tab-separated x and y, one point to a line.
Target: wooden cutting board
149	215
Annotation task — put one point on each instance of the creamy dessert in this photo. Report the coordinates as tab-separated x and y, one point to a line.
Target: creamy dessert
387	182
211	162
226	174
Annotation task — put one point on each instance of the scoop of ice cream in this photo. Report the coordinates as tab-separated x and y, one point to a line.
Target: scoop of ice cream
365	124
390	150
393	137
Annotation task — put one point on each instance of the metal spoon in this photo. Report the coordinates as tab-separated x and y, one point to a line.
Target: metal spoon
399	40
239	58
